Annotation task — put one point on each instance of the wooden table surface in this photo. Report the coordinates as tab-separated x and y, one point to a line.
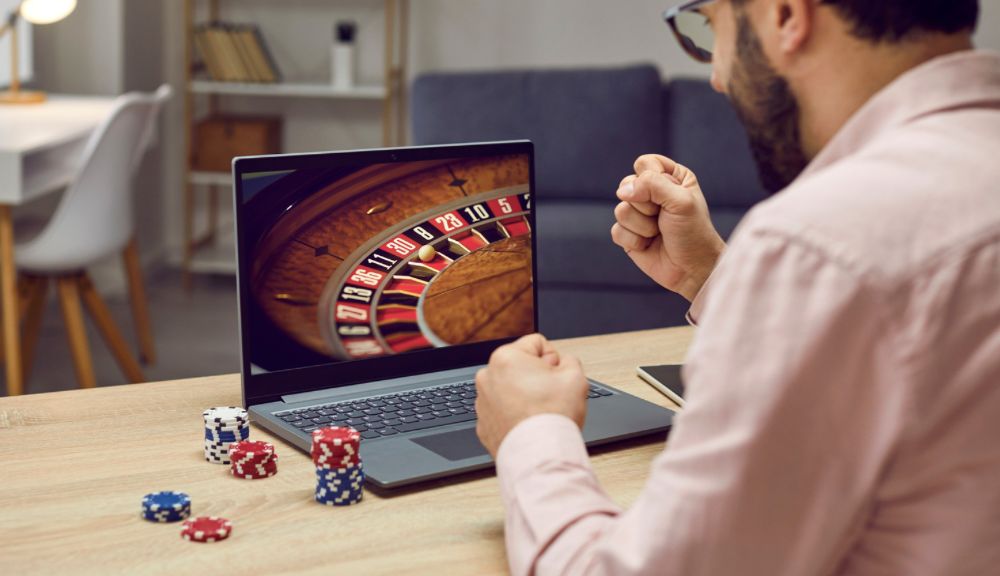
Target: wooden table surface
77	464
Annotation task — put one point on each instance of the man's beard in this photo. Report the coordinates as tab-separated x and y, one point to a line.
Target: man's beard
768	110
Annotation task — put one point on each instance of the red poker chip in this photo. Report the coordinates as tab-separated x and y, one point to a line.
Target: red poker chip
336	435
320	448
255	471
253	474
252	448
252	453
253	459
255	466
337	462
335	447
334	457
206	529
325	447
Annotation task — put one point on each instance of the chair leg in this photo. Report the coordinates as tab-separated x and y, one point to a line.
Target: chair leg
69	298
8	298
25	285
140	308
25	288
33	323
106	325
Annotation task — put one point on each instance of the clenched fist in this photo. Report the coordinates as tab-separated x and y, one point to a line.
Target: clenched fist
664	226
525	378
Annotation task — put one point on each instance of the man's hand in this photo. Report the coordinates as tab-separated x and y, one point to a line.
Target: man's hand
525	378
663	225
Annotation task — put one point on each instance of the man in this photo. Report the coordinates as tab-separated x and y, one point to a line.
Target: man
843	410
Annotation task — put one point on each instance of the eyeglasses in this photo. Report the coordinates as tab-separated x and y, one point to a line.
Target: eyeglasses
692	29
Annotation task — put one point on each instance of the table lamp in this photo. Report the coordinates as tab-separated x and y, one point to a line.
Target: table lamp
36	12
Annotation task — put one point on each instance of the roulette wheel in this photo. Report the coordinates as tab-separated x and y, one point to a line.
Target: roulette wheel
351	263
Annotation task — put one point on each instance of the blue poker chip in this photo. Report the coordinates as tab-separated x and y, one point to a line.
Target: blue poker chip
166	506
166	500
340	475
325	496
354	487
340	486
341	478
340	499
337	482
166	516
322	471
359	481
226	436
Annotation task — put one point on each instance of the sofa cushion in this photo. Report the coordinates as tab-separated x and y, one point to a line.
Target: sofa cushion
588	125
703	133
575	247
565	313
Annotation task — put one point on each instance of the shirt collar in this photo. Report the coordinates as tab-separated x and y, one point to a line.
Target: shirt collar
959	80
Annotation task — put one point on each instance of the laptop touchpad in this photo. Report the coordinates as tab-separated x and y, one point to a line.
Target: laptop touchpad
455	445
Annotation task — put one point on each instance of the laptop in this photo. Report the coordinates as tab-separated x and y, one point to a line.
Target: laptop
374	284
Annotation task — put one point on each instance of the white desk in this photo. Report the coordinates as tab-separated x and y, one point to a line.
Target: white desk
40	148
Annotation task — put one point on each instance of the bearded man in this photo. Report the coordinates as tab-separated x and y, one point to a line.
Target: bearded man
843	388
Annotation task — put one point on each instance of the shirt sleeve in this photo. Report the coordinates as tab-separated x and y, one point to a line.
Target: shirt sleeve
771	465
698	304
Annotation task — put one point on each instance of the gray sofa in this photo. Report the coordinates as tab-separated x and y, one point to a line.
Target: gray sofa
588	126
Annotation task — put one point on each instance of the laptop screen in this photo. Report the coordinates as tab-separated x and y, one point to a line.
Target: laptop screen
351	260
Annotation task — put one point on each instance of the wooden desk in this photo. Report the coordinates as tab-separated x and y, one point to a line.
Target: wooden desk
40	148
76	465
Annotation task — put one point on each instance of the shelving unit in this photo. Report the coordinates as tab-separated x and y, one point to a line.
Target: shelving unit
212	250
288	89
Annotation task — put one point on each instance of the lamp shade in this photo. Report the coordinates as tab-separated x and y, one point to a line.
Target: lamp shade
46	11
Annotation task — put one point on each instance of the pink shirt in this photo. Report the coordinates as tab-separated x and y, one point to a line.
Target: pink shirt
843	410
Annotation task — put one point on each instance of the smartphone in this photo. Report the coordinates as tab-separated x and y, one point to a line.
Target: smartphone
666	378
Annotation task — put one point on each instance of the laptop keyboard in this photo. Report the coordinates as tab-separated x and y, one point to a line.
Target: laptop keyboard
398	413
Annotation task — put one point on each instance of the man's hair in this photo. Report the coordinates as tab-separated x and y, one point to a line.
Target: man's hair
894	20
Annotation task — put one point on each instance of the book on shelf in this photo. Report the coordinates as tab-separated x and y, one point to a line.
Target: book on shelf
260	54
247	69
235	53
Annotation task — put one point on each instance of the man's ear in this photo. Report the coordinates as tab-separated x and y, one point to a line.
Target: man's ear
793	21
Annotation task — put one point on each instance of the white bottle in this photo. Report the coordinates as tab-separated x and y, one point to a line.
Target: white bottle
342	56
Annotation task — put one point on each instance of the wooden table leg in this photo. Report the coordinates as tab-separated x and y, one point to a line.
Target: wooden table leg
9	303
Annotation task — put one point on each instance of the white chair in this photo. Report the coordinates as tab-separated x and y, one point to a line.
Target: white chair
94	220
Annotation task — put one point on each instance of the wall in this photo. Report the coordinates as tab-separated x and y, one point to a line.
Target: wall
83	54
988	35
142	70
25	61
470	34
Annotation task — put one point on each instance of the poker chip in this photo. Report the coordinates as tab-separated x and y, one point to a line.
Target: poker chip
226	415
206	529
336	447
253	460
224	425
340	478
166	506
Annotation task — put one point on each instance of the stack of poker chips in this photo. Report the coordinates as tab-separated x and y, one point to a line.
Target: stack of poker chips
253	460
167	506
206	529
339	476
223	426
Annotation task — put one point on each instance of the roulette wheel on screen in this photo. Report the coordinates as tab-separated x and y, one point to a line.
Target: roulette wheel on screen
398	257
